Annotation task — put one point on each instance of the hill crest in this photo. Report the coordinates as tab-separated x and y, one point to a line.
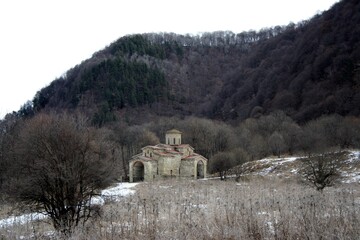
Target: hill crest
306	70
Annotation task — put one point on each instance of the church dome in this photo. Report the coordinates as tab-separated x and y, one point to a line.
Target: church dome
173	137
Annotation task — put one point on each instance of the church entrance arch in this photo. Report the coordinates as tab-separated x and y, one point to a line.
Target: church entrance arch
200	170
138	172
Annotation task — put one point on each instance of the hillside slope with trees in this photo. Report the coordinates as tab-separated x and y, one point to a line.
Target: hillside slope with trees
306	70
311	69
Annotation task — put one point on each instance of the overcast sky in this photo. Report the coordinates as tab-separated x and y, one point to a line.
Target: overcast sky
41	39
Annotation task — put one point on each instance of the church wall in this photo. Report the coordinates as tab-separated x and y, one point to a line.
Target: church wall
169	166
150	170
187	169
161	162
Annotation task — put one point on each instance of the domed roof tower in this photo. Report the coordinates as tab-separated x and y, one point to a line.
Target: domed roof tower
173	137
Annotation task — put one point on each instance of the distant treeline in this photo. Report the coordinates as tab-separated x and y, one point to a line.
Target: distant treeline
223	144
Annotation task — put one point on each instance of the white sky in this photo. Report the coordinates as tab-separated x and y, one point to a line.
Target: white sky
41	39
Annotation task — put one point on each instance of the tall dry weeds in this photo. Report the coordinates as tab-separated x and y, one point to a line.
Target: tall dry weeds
258	209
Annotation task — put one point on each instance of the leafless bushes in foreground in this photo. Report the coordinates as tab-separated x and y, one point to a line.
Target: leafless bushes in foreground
259	209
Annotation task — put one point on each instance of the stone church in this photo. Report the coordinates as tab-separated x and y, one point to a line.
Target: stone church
170	160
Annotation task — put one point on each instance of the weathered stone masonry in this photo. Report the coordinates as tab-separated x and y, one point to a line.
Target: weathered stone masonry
170	160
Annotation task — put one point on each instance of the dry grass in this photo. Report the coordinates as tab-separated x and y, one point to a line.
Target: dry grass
349	167
262	208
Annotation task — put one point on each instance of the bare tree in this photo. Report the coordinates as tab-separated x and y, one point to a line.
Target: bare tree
8	132
349	133
277	143
291	133
221	163
200	133
224	138
258	147
129	141
311	139
322	170
63	164
241	157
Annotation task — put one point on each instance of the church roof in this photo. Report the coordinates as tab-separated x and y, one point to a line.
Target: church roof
173	131
141	157
184	146
164	154
161	145
181	151
194	156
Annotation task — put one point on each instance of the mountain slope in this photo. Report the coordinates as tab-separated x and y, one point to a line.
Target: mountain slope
164	77
311	69
306	69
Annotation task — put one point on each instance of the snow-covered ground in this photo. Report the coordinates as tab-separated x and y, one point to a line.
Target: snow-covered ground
352	173
112	193
288	167
274	163
352	177
22	219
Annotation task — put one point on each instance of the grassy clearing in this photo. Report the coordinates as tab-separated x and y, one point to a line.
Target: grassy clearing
262	208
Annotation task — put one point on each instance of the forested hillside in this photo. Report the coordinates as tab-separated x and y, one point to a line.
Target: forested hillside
147	75
306	70
311	69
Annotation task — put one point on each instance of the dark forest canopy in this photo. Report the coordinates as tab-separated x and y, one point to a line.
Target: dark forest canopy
306	69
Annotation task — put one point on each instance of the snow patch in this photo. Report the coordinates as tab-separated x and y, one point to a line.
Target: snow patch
114	193
353	157
97	200
120	190
352	178
19	220
278	160
266	171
